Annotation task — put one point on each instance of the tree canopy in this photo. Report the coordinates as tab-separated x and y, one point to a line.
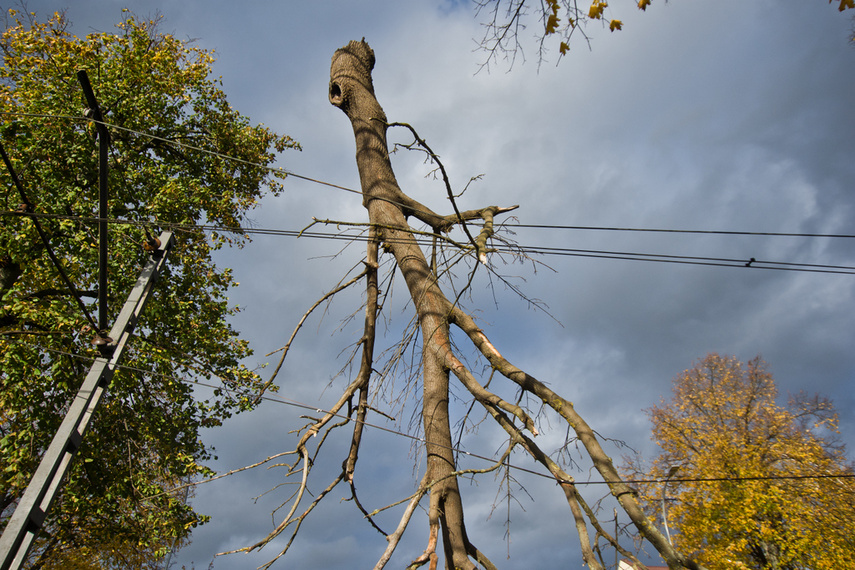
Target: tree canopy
171	129
752	483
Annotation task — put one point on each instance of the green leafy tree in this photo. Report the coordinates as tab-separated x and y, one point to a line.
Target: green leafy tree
752	483
170	127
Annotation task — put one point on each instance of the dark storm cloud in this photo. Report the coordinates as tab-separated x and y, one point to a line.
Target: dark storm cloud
716	116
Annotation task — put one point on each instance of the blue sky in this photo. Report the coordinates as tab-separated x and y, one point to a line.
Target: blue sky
701	115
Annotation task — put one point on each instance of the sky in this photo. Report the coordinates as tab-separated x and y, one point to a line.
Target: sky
699	115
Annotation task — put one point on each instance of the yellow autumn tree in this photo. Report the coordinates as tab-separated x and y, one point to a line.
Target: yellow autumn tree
749	483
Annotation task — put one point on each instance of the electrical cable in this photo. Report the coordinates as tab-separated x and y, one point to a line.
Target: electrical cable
296	404
353	191
634	256
676	231
27	206
188	147
626	256
532	250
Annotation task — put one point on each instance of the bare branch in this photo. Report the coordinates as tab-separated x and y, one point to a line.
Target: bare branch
351	90
395	537
305	316
565	408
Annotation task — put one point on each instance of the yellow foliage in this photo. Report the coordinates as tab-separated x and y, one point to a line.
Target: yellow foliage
772	502
576	17
596	10
552	24
553	19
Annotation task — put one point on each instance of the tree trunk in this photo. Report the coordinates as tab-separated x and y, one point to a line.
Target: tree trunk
351	90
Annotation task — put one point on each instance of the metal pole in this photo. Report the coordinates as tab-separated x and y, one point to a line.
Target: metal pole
30	513
104	207
671	473
617	552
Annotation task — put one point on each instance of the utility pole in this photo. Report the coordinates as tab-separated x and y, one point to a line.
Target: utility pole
29	516
30	513
94	113
617	552
671	473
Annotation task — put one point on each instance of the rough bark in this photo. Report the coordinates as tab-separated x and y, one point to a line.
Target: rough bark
351	89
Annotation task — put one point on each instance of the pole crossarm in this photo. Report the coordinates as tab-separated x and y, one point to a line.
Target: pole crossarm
30	513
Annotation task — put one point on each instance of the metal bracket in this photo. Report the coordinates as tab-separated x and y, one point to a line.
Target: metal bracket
30	513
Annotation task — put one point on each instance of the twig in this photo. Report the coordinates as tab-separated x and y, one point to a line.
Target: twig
305	316
395	537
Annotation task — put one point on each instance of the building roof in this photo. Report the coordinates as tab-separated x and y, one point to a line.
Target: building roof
627	565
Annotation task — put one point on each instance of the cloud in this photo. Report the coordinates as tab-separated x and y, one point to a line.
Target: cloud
714	116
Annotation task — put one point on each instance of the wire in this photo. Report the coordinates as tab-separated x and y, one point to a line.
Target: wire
353	191
296	404
530	250
189	147
627	256
568	252
675	231
632	256
692	260
43	236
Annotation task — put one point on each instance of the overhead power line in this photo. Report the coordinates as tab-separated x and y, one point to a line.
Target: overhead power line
188	147
751	263
45	241
354	191
677	231
532	250
296	404
529	250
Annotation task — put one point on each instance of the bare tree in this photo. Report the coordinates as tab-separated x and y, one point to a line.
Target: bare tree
351	90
